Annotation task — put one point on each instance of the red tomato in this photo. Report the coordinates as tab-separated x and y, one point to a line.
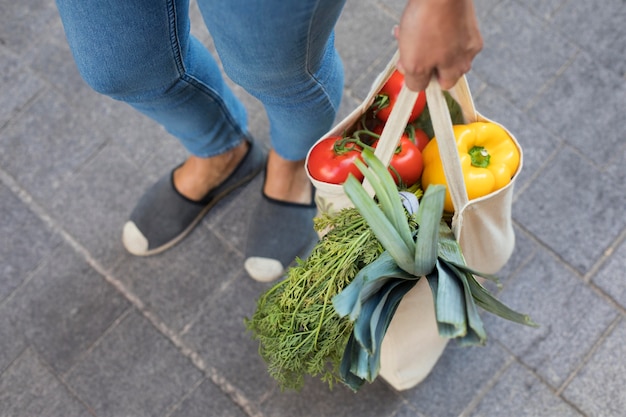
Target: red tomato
406	162
327	164
388	95
420	138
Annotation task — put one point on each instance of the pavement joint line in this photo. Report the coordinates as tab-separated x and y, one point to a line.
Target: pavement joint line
585	360
600	263
213	374
537	97
488	386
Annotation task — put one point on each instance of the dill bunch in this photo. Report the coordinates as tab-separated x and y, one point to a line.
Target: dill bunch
298	330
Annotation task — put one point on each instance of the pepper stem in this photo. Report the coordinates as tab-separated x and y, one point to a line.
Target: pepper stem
480	156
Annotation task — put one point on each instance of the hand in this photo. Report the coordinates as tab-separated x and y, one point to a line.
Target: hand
438	37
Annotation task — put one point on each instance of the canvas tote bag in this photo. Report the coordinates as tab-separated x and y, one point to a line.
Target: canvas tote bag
483	226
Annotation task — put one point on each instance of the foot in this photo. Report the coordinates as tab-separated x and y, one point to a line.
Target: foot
172	207
282	226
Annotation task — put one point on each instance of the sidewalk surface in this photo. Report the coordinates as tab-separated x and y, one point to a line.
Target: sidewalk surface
88	330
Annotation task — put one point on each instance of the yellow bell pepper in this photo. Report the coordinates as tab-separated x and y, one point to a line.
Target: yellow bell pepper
489	159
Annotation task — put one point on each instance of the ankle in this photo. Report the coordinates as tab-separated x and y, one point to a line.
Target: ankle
287	180
197	176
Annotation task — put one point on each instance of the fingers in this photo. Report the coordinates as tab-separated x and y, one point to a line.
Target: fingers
437	38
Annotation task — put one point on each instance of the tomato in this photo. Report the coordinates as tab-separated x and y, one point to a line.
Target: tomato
420	138
406	162
332	161
388	95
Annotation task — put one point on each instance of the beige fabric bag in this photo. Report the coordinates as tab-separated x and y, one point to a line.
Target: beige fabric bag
483	227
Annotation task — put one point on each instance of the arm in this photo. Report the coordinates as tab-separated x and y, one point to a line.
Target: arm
440	37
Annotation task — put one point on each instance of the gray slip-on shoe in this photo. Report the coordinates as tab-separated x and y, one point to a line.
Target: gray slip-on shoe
278	233
163	216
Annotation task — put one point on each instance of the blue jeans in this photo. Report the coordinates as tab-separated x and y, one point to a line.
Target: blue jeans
279	51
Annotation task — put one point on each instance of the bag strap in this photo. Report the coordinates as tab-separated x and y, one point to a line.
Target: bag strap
446	141
442	125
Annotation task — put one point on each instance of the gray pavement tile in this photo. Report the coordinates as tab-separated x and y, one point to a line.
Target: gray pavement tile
580	107
17	83
524	249
598	28
178	284
95	202
521	54
24	23
45	144
460	374
358	46
519	393
599	389
25	241
538	145
208	400
544	8
64	308
610	278
12	341
407	411
574	209
317	400
28	388
230	219
571	317
220	337
133	371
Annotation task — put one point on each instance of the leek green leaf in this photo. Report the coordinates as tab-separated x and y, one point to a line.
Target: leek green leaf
382	228
428	218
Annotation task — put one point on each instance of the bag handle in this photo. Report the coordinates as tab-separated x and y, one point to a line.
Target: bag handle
442	125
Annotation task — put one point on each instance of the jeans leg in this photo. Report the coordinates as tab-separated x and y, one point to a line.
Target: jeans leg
282	53
141	52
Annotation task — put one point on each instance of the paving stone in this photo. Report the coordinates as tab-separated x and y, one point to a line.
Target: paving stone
45	144
524	249
575	209
64	308
208	400
610	277
316	400
571	318
23	23
599	30
25	241
407	411
510	61
12	341
519	393
18	85
353	29
544	8
537	144
220	337
95	202
463	371
28	388
599	389
230	219
569	99
179	283
133	371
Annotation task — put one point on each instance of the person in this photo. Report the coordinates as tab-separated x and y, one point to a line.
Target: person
141	52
